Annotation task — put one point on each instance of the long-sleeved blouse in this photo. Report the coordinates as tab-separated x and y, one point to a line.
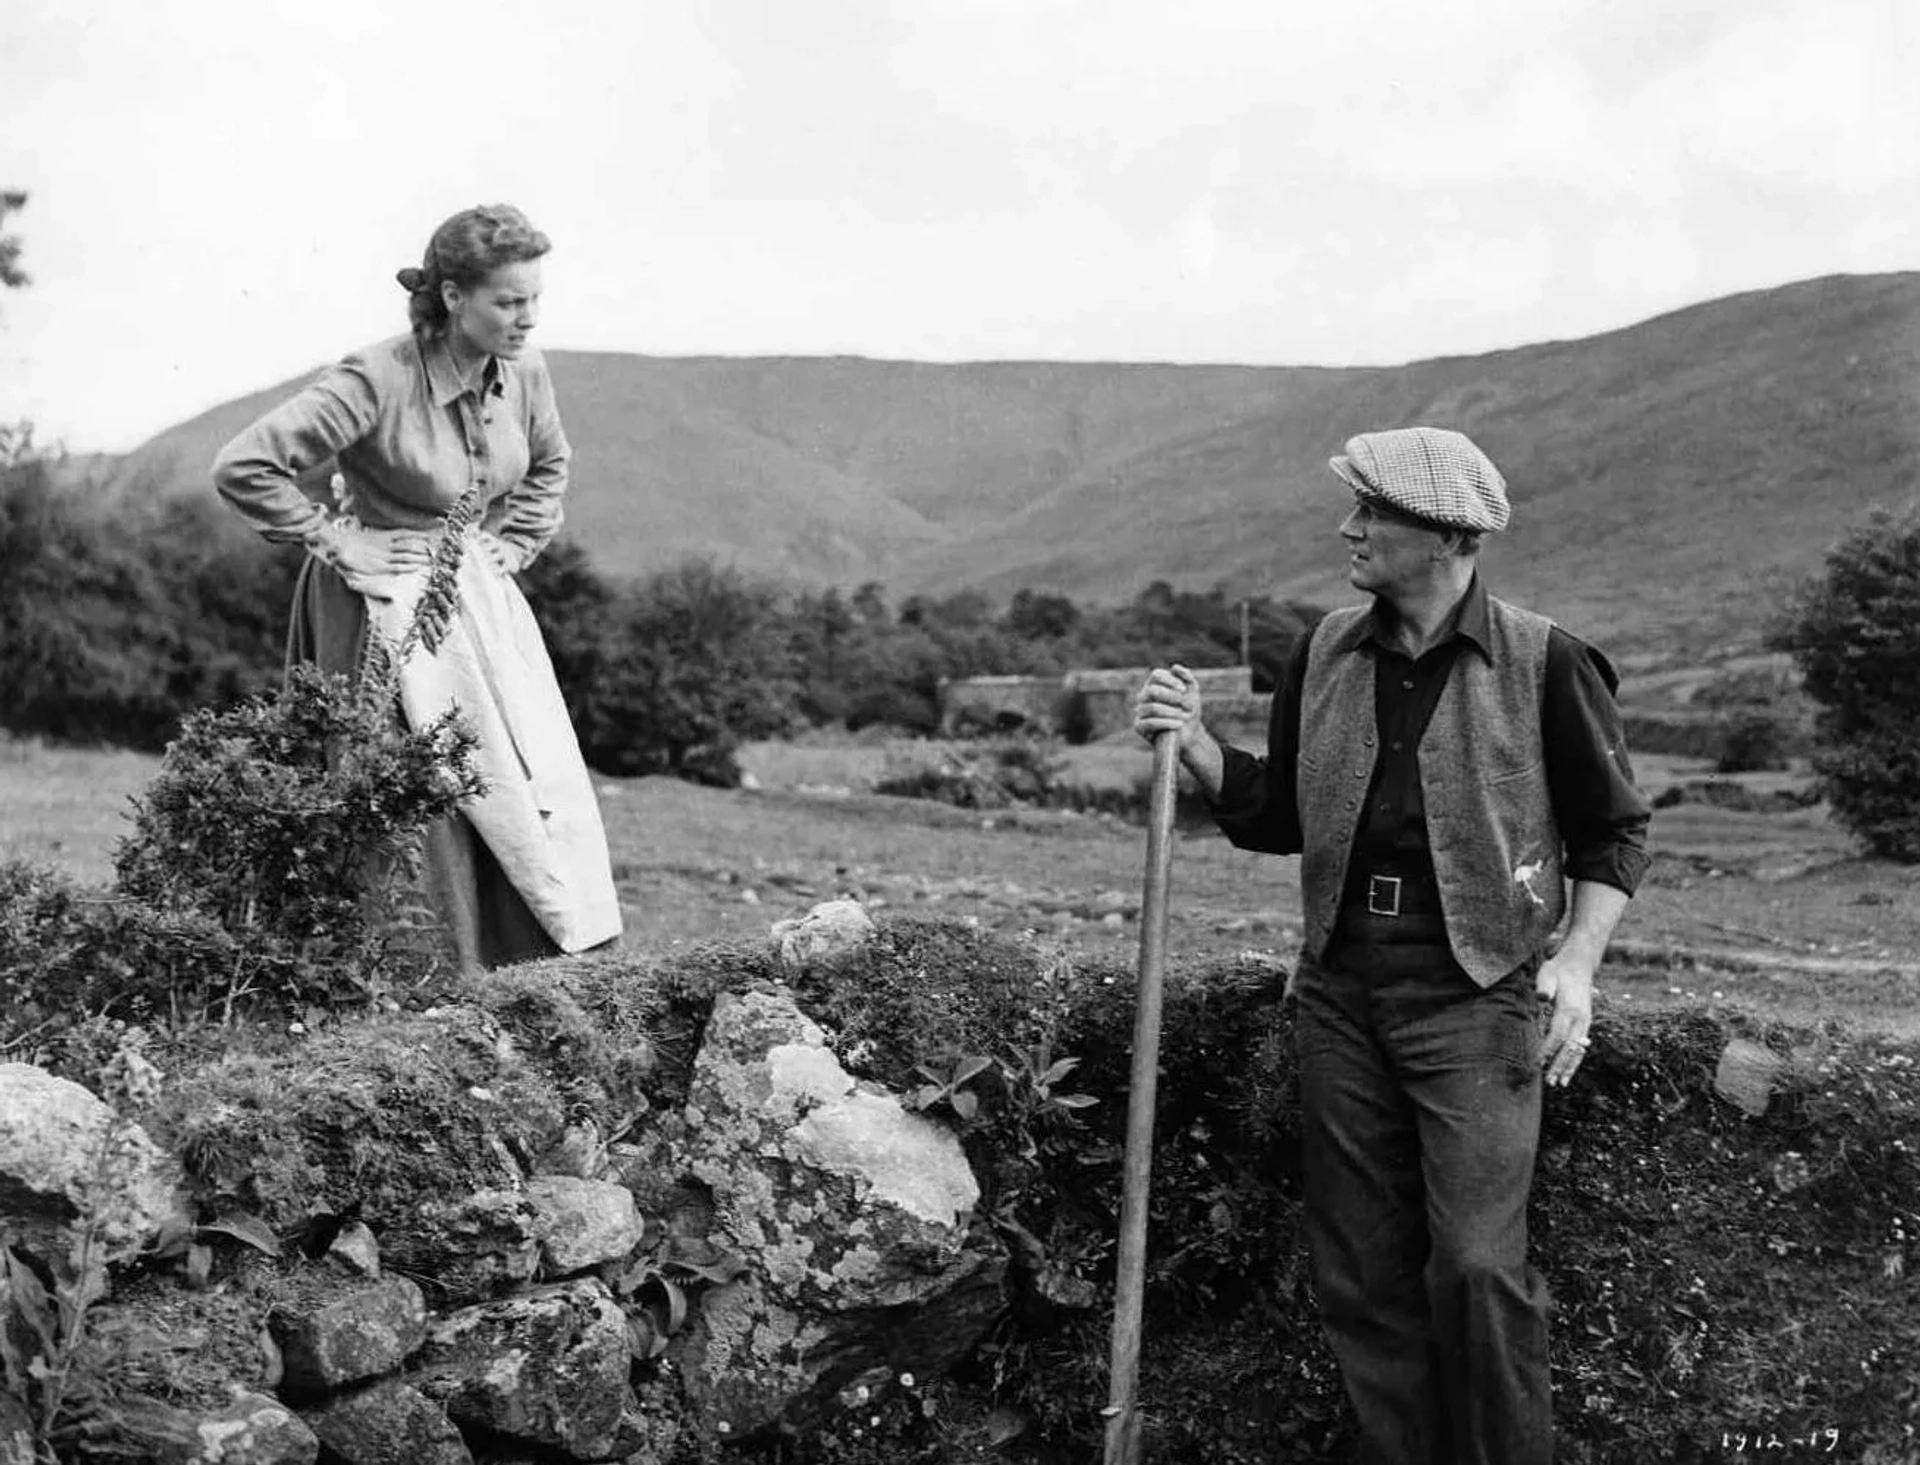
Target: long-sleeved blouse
408	439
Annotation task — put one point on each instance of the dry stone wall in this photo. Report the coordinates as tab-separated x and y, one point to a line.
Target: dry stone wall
803	1233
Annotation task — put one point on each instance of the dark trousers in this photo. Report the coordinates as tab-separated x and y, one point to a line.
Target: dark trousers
1420	1097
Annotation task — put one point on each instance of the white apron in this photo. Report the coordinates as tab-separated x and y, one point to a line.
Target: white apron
538	815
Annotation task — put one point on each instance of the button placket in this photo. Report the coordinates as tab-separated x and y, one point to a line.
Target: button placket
479	450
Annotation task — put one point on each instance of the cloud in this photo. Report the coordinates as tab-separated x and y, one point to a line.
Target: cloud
1810	95
222	189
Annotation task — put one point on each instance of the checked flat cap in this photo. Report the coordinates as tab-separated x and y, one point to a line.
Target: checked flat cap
1429	472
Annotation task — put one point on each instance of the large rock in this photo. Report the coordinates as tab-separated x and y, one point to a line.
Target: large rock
386	1423
583	1223
548	1367
852	1214
63	1153
252	1430
474	1247
348	1333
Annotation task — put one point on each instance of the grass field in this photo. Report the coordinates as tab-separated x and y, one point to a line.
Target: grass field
1772	911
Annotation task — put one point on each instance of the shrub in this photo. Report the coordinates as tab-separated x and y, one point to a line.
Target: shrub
69	955
294	823
982	776
119	615
685	665
1754	742
1855	635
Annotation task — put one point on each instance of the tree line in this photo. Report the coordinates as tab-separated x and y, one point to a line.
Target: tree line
669	671
122	612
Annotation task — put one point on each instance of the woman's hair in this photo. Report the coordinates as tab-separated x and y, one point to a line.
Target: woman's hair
464	251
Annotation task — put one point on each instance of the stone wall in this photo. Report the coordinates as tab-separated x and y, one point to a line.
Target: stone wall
1086	705
1101	702
970	705
724	1272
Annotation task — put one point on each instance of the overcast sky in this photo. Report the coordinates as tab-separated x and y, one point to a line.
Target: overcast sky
221	190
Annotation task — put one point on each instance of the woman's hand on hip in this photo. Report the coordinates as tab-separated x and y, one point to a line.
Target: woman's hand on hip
364	557
502	557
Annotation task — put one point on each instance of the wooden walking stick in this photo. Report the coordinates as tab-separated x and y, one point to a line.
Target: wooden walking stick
1123	1419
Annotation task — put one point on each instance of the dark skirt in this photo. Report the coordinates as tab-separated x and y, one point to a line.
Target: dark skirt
486	919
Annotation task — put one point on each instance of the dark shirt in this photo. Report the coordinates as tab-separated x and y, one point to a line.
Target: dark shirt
1602	816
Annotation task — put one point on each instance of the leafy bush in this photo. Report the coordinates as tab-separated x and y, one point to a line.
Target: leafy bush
118	615
294	823
272	864
982	776
69	956
1754	742
1855	635
1025	772
668	674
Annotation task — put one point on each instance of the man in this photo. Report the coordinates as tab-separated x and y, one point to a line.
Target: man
1445	764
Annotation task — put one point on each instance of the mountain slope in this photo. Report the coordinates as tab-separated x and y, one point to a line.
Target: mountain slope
1665	476
1668	478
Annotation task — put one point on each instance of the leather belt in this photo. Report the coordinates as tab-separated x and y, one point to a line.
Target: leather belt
1391	897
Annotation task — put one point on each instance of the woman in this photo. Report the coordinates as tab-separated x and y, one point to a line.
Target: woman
461	401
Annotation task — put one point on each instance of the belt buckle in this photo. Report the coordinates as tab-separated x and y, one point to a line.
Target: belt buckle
1383	895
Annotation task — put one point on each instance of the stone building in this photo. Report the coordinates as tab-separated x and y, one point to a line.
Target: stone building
1084	705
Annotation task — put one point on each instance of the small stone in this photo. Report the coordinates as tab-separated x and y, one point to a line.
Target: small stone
252	1430
583	1222
354	1334
356	1249
546	1368
1748	1075
830	932
387	1421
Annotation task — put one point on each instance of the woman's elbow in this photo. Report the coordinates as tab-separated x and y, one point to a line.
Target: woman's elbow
234	468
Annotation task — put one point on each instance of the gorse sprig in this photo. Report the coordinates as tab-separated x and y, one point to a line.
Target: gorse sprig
442	597
381	660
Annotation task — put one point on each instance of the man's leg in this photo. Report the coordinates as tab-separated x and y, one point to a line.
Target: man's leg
1365	1215
1473	1072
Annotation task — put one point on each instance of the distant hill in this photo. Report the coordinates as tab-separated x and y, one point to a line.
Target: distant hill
1668	478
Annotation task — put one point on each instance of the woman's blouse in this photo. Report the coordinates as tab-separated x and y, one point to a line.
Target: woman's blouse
408	439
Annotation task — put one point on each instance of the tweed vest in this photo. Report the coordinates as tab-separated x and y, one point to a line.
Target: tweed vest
1490	824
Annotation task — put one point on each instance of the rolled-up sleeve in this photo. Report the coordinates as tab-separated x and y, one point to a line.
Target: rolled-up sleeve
256	472
1603	816
535	506
1258	807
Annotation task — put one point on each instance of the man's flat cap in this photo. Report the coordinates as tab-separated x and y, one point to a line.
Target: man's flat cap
1429	472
